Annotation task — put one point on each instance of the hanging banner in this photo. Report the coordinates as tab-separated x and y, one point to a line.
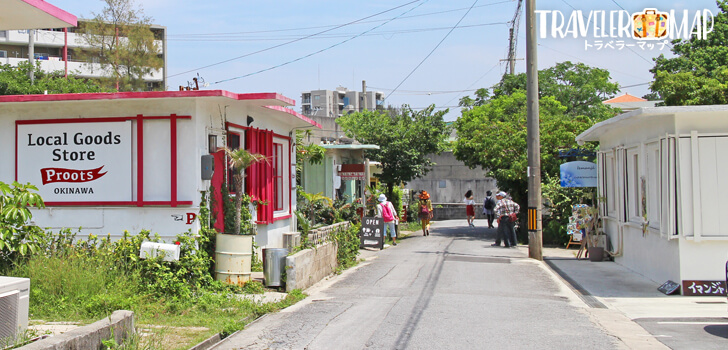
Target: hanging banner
76	162
578	174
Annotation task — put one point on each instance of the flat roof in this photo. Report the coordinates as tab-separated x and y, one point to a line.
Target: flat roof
599	129
269	100
353	147
33	14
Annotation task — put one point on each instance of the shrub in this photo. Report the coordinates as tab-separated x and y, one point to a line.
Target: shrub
17	236
348	247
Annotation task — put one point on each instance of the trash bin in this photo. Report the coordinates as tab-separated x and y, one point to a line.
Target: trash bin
274	264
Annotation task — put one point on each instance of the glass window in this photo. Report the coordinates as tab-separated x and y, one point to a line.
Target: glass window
278	167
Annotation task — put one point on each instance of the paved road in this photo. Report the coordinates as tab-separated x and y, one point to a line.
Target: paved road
450	290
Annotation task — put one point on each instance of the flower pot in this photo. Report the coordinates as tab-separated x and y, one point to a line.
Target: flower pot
233	258
596	254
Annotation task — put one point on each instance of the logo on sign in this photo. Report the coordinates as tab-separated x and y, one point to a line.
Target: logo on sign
51	175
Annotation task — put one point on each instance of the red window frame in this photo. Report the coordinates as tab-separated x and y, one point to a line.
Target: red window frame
278	176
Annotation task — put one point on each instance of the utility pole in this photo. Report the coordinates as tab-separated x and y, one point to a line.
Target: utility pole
364	93
31	55
513	39
535	238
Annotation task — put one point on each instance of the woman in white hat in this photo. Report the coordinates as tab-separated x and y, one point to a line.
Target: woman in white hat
386	211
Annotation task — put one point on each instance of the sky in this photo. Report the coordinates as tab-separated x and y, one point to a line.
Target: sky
417	52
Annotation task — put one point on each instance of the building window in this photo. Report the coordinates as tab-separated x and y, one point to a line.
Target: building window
278	167
610	184
633	185
443	184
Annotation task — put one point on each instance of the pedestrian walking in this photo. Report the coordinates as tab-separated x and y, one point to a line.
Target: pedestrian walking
425	212
488	206
506	211
469	207
386	211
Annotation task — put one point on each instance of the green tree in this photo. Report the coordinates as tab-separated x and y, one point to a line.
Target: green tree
493	136
15	81
405	139
698	74
121	40
578	87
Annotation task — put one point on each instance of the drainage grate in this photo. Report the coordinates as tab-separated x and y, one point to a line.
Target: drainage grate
477	259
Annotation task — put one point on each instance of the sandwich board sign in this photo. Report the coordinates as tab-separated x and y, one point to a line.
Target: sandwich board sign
371	232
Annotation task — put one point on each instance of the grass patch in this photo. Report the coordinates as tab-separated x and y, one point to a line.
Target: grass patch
176	304
413	226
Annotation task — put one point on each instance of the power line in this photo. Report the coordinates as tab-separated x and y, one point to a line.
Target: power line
620	6
572	7
481	77
322	50
299	39
329	26
433	50
341	35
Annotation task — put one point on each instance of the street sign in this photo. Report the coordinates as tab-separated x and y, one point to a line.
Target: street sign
371	232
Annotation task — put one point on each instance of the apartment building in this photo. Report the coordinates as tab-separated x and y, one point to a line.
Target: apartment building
56	50
333	104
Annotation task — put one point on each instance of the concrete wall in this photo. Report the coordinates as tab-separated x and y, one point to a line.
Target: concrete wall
309	266
91	336
455	211
450	179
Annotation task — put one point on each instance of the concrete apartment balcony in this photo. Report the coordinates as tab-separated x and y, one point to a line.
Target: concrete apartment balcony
48	38
79	69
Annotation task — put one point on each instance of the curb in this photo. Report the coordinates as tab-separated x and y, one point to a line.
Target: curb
120	325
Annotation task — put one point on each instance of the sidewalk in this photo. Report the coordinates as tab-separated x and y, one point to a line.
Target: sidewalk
609	285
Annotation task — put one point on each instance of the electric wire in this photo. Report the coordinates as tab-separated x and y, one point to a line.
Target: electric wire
572	7
343	35
322	50
432	51
328	26
296	40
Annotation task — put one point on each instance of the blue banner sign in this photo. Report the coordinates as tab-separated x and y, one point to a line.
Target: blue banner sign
578	174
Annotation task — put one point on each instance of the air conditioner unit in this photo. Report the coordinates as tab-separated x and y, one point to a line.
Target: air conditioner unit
14	303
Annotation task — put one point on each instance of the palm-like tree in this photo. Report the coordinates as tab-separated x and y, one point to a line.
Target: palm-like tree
239	160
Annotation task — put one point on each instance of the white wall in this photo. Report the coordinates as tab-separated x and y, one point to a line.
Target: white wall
663	180
207	116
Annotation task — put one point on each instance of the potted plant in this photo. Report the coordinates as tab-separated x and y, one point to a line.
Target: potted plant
234	250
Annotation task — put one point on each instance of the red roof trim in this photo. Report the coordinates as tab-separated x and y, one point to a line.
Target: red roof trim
53	11
148	94
295	114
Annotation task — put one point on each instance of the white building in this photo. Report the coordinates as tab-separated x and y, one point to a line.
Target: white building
333	104
109	162
662	179
55	49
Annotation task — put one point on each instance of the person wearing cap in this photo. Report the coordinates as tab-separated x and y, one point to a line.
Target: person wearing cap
503	210
386	211
425	214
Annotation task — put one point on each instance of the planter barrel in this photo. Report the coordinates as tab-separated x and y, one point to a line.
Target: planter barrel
233	258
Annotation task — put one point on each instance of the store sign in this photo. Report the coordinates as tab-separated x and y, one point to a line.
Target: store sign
578	174
77	162
352	172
